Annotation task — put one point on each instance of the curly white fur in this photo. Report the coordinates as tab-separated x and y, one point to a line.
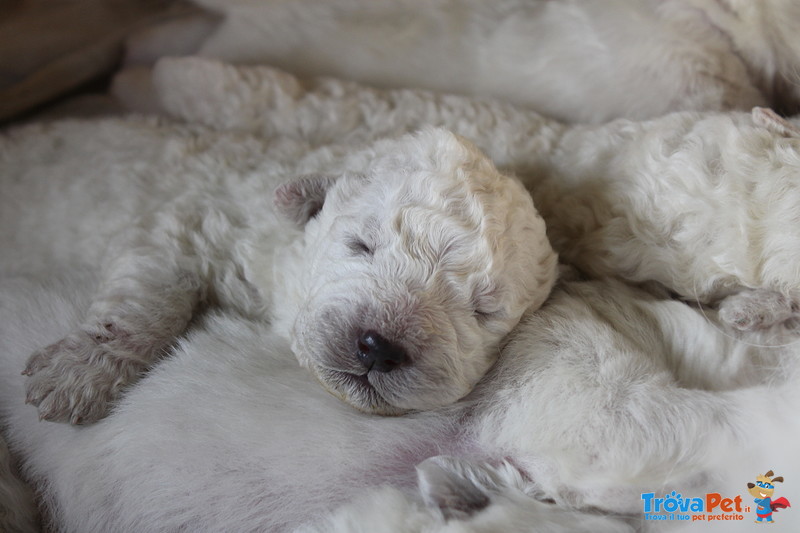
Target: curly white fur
697	202
607	391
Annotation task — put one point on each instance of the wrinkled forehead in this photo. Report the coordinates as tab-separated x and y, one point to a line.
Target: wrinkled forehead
422	208
444	223
457	193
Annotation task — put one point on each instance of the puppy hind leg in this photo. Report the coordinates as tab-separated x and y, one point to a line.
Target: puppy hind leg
498	497
757	309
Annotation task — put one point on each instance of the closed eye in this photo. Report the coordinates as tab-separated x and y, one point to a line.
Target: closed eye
485	304
485	316
358	247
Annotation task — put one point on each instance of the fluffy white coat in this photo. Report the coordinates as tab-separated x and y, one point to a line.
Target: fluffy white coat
606	392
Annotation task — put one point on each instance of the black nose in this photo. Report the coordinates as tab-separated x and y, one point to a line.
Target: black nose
377	353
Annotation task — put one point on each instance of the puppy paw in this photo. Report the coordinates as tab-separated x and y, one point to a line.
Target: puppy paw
756	309
77	379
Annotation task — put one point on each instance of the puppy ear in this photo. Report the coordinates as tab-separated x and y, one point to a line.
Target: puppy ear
779	479
751	485
769	119
302	199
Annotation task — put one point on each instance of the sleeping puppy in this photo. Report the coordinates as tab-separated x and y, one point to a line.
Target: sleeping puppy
395	268
702	203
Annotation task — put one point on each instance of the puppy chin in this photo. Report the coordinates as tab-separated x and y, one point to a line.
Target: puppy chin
356	391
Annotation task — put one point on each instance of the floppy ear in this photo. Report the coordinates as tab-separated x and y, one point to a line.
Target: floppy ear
769	474
300	200
767	118
751	485
778	479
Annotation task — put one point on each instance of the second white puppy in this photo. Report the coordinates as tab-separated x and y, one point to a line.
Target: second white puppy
604	393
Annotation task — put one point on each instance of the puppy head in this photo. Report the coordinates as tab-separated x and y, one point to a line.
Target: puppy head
412	271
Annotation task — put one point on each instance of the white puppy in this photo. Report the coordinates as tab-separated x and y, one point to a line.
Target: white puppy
700	203
606	392
588	61
396	269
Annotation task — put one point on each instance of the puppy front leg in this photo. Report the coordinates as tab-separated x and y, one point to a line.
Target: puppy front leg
146	300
